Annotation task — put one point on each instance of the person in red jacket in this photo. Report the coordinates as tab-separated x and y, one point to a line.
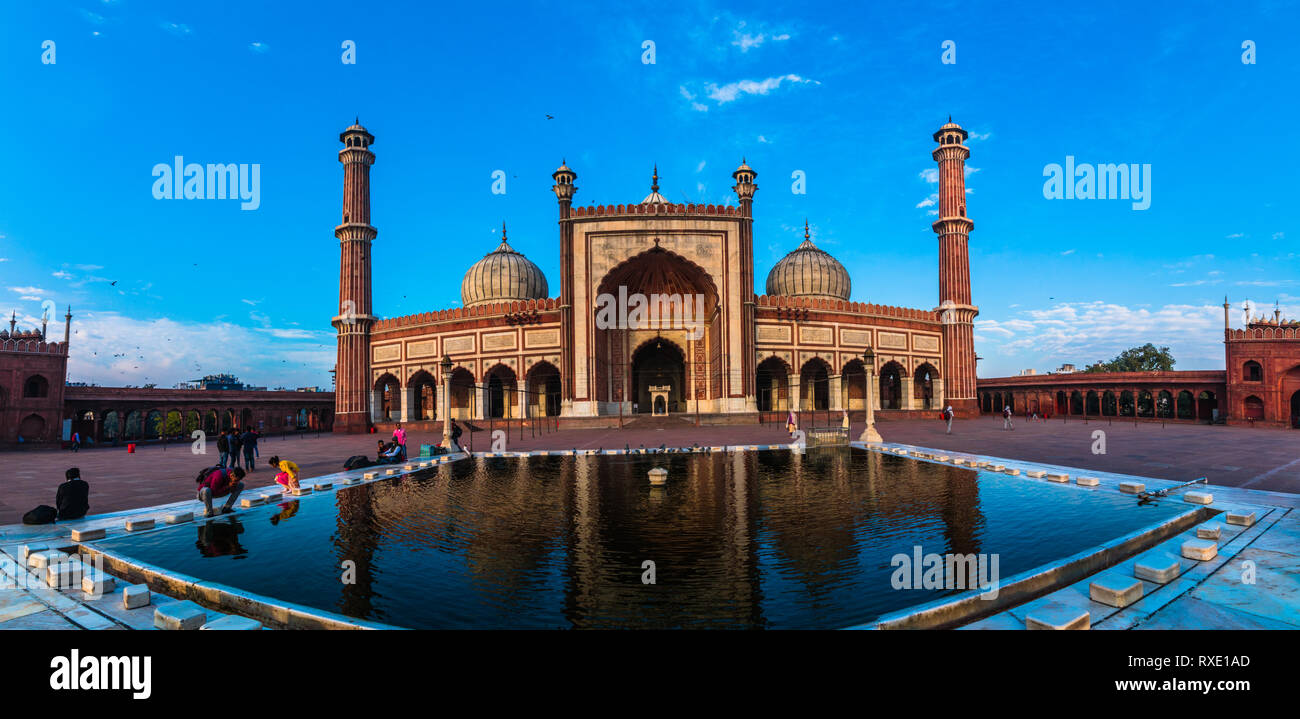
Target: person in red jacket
221	483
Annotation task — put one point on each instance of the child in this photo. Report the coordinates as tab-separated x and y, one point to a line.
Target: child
284	468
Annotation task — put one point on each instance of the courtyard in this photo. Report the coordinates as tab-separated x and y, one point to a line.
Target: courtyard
1258	458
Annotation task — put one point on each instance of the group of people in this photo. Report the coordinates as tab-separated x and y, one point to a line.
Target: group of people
220	481
231	442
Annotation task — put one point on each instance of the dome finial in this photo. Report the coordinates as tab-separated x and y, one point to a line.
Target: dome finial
805	228
503	230
654	179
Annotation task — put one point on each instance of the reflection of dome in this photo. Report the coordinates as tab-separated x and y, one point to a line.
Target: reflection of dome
809	272
501	276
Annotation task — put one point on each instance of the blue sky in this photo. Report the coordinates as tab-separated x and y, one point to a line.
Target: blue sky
848	94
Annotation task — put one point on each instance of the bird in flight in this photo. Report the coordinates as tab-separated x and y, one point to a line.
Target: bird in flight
550	117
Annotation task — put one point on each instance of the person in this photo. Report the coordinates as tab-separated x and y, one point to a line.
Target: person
456	432
218	483
399	435
845	422
248	441
389	453
76	441
286	480
790	423
234	447
256	450
278	465
223	448
72	500
947	416
1006	418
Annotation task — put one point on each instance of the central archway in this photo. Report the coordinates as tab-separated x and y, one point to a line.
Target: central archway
658	362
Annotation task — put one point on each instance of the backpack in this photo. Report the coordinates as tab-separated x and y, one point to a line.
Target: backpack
357	461
43	514
203	473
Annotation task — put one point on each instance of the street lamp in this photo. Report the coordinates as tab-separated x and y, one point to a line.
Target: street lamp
869	434
446	401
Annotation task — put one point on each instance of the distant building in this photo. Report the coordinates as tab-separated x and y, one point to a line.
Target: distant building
1027	372
215	382
1065	369
33	371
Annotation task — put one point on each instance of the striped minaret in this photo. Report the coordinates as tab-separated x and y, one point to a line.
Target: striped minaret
953	228
352	373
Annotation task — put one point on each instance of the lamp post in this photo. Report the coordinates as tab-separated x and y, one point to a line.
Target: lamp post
869	434
446	401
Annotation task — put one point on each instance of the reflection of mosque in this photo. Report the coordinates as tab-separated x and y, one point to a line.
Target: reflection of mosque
518	351
721	555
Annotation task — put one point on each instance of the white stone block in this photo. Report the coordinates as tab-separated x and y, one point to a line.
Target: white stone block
300	491
30	549
370	475
41	560
1210	530
1200	549
272	497
323	485
1087	481
250	501
179	518
349	480
139	525
1198	497
1114	589
390	471
1012	471
66	574
233	622
135	596
1158	567
1057	615
179	615
98	583
86	535
1057	477
1036	473
1243	519
408	467
1129	487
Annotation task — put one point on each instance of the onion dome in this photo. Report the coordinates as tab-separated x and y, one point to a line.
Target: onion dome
809	272
501	276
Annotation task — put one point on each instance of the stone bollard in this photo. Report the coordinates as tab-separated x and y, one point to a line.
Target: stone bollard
233	622
1132	487
1115	590
1243	519
1057	615
1202	550
179	518
97	584
183	614
135	596
1209	530
1159	567
1087	481
1198	497
1058	477
85	535
139	525
658	475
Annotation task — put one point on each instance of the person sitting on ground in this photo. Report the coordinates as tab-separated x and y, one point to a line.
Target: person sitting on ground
73	498
220	483
390	453
284	466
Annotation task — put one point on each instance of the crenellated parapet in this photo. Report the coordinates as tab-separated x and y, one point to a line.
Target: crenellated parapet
657	208
1284	331
514	312
863	308
31	344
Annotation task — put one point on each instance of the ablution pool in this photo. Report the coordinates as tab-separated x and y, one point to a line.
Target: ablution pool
759	539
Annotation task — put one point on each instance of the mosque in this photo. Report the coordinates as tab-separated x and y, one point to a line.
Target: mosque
515	350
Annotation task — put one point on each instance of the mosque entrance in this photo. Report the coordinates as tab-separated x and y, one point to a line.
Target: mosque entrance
656	364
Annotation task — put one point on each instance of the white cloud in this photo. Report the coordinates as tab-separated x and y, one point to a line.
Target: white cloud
1067	252
61	275
28	290
1279	235
258	47
177	28
732	91
930	201
1236	235
166	351
747	41
1085	332
700	168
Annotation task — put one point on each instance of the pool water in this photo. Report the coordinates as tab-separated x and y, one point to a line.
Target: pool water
765	539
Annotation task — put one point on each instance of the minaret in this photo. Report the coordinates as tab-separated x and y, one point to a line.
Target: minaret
745	189
1225	316
564	191
352	378
67	329
955	308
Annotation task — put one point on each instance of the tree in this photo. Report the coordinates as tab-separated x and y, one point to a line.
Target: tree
1147	358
